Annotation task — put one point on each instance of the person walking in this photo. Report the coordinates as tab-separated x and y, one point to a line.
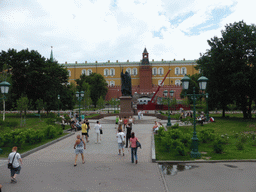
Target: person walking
84	131
1	188
16	161
88	127
117	120
128	133
133	147
79	148
125	122
97	128
120	138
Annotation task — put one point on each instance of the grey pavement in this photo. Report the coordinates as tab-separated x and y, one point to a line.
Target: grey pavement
51	169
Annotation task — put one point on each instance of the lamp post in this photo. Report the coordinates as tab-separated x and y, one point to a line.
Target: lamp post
4	90
79	96
166	95
58	105
202	85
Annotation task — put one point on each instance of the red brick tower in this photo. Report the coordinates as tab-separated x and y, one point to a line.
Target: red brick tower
145	73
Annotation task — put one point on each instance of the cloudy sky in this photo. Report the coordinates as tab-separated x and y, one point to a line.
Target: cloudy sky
102	30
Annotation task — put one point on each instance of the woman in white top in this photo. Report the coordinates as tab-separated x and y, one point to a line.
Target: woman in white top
16	160
131	120
120	138
97	128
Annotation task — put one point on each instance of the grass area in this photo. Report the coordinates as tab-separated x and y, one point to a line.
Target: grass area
233	128
27	147
31	122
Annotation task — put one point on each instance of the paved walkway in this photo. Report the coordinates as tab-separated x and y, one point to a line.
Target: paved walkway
51	169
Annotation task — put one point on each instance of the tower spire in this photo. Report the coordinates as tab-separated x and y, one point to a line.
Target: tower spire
51	56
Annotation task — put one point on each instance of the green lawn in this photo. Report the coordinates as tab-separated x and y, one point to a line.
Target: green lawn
232	126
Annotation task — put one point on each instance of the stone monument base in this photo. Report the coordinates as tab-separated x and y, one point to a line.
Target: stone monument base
125	107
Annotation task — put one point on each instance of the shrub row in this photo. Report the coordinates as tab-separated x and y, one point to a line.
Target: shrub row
19	137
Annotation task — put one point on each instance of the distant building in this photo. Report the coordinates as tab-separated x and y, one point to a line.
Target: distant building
146	75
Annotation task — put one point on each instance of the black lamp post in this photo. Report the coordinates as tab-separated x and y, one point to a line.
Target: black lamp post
79	96
202	85
169	124
58	105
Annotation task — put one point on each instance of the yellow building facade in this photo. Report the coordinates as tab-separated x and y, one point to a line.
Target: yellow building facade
111	71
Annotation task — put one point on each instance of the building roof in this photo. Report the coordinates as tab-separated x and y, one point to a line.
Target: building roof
145	50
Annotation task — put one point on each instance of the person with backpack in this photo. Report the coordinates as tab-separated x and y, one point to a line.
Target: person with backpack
15	159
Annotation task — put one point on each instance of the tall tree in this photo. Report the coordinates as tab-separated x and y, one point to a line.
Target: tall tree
98	86
230	66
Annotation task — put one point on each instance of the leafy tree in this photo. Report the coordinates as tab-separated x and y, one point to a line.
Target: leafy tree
101	102
98	86
229	65
35	77
39	105
22	106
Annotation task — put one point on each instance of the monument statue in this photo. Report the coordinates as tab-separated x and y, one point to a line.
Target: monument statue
126	84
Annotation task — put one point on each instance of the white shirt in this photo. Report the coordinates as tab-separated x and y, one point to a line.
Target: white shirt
97	128
15	162
119	135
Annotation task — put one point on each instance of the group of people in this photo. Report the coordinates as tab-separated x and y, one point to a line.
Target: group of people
156	126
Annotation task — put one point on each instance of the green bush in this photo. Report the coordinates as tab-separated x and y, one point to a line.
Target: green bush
19	140
1	141
166	143
161	131
218	146
175	134
206	135
180	150
50	132
50	121
240	145
175	126
52	115
244	138
186	139
236	135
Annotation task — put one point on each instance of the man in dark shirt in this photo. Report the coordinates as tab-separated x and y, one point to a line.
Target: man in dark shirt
88	127
128	133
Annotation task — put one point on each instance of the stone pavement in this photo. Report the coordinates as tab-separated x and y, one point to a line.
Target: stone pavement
51	169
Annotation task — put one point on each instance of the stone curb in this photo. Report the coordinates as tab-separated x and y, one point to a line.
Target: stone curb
45	145
153	149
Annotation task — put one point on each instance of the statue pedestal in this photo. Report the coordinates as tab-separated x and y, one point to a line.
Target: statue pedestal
125	107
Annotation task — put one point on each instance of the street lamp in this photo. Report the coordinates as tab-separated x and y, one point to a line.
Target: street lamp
202	85
79	96
58	105
4	90
166	95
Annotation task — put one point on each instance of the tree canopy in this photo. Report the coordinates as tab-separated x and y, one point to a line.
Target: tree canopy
33	76
97	84
229	65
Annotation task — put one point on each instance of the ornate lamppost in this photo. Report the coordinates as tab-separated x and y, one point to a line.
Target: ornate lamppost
79	96
166	95
202	85
4	90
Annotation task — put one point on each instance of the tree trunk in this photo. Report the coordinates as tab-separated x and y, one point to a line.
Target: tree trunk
250	108
223	110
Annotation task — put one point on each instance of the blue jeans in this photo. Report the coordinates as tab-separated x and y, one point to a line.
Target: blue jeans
134	153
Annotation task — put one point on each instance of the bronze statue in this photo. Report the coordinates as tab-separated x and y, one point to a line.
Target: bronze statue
126	84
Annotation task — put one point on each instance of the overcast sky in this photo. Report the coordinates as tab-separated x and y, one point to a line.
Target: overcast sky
102	30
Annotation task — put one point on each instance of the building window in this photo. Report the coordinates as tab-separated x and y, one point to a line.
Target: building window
160	71
112	83
112	72
177	82
177	71
83	72
106	72
89	71
154	71
160	81
69	73
128	70
134	71
183	70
